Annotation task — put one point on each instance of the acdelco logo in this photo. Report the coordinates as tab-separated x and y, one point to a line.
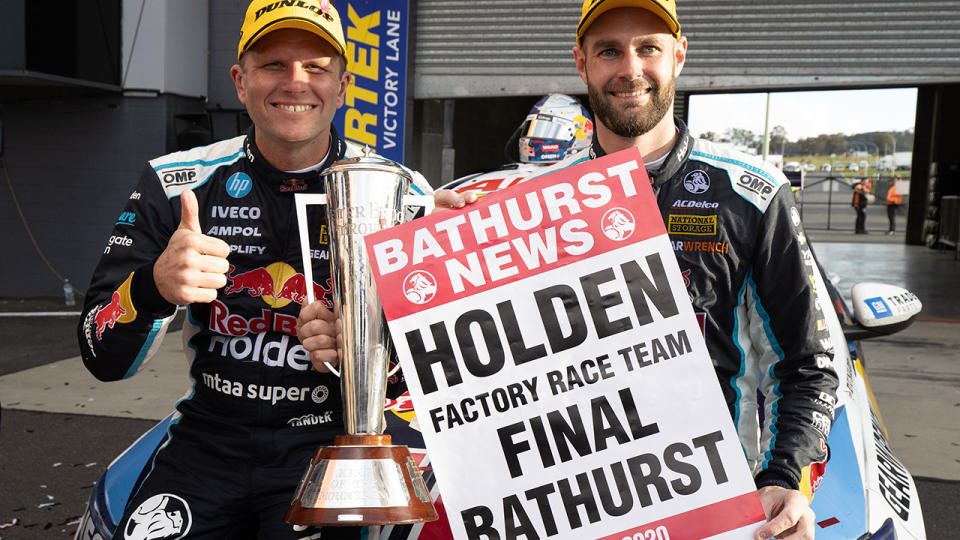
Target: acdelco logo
179	177
681	203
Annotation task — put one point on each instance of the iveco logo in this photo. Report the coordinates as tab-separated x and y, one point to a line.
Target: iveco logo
179	177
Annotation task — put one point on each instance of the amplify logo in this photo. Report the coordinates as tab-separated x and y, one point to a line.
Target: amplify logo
278	284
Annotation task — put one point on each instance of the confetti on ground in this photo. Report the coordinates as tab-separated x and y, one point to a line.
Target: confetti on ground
91	464
57	464
13	523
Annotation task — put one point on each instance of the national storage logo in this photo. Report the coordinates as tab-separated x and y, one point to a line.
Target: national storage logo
698	225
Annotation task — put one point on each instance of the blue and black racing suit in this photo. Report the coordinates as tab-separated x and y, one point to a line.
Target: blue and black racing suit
257	409
752	279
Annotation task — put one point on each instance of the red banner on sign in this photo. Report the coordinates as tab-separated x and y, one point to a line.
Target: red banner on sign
537	226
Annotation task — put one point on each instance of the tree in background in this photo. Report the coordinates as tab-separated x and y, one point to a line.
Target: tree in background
886	142
742	137
836	143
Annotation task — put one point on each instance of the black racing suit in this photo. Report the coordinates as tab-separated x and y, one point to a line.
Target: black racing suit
256	409
753	282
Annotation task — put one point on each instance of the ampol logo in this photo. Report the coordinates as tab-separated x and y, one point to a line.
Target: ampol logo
278	284
419	287
618	224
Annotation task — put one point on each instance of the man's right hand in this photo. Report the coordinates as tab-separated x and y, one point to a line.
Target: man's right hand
193	266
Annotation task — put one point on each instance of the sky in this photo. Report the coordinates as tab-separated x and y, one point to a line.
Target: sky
806	114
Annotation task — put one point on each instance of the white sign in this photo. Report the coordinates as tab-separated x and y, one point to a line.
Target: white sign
558	371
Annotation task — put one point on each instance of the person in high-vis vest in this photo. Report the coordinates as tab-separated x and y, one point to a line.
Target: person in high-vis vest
894	200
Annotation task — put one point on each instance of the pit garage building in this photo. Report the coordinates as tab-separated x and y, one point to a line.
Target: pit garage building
90	90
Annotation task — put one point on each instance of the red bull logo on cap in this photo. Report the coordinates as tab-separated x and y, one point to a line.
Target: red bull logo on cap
277	285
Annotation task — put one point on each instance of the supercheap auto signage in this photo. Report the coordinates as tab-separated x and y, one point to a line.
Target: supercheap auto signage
374	108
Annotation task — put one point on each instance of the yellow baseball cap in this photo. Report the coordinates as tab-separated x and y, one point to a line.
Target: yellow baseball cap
665	9
316	16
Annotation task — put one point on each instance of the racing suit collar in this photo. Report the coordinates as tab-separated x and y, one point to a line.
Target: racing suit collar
675	159
286	182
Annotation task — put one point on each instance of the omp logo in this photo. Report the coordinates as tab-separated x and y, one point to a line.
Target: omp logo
697	225
179	177
756	184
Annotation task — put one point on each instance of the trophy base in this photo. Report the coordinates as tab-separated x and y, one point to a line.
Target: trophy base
361	480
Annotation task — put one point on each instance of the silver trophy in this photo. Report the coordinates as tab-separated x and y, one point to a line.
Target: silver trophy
363	479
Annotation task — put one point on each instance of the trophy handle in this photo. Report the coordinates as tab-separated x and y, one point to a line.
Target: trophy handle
302	200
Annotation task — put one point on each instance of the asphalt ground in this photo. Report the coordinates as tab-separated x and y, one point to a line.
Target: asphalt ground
60	430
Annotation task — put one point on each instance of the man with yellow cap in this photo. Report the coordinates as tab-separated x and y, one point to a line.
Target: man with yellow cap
214	228
752	278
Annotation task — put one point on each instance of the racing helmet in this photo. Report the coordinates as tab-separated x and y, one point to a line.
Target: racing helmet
557	126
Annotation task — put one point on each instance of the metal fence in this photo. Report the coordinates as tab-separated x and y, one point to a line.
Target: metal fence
826	203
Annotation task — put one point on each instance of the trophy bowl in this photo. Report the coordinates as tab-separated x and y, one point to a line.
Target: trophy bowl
362	479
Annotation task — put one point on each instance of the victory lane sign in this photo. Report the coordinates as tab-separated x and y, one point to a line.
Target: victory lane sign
558	372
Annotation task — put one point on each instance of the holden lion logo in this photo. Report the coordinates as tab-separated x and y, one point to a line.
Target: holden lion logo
696	182
160	517
419	287
618	224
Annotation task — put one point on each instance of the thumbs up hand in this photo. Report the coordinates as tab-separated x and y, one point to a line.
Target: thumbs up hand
193	266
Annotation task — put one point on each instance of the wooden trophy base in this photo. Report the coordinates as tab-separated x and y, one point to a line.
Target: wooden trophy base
361	480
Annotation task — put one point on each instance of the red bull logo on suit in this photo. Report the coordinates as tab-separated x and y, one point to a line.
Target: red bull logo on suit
277	285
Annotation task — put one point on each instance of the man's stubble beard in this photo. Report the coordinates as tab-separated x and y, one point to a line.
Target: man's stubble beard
634	121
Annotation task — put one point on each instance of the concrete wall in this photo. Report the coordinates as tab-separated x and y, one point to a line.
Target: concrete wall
72	164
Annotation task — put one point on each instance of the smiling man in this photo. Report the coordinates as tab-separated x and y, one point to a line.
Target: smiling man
214	228
749	272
